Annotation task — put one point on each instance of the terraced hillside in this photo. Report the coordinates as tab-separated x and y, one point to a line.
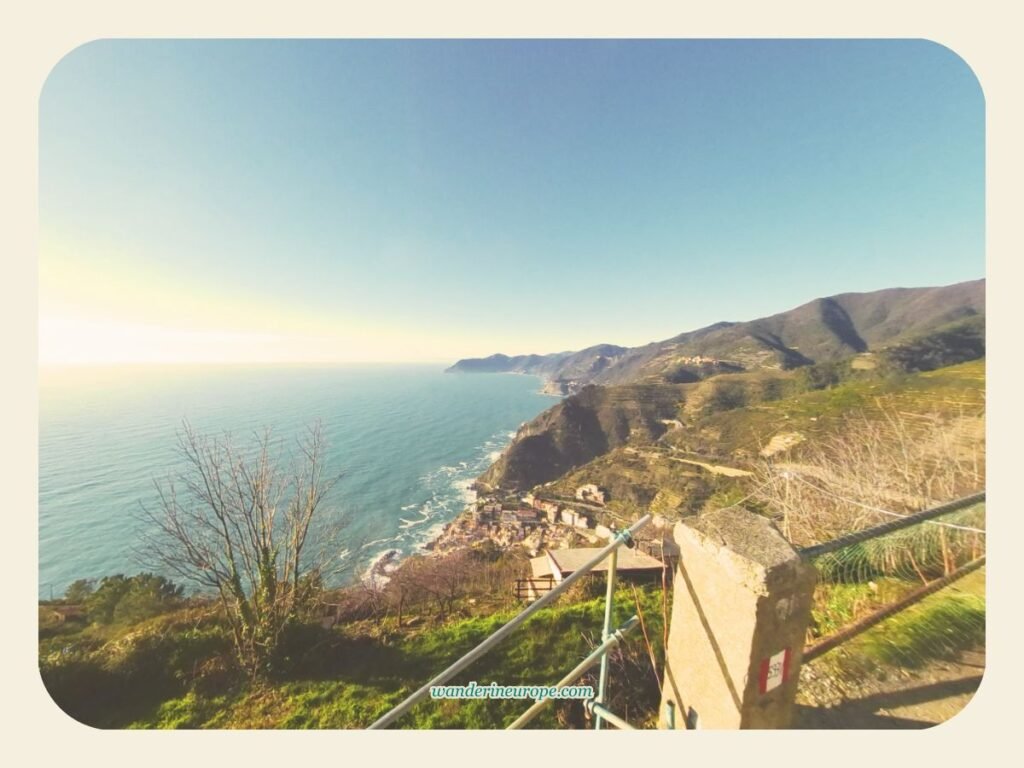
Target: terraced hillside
724	428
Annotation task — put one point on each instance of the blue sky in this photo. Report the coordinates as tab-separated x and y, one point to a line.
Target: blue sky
429	200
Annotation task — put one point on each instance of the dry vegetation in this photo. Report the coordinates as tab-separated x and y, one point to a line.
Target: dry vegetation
894	461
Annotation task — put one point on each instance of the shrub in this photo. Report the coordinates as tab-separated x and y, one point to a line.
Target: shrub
79	591
126	600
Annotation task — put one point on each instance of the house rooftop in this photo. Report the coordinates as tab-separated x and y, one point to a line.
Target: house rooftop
569	560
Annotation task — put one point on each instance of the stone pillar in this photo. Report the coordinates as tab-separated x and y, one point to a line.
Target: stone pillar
740	610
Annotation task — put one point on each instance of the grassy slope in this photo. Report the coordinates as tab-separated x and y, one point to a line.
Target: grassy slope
650	475
938	628
345	678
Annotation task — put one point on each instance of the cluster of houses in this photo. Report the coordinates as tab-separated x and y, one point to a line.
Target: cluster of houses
521	516
552	533
698	360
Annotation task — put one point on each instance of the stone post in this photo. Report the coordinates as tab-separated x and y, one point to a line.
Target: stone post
740	610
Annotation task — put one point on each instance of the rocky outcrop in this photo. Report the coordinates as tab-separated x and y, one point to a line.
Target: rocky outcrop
581	428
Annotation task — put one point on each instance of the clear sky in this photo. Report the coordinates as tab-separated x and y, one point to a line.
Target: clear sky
430	200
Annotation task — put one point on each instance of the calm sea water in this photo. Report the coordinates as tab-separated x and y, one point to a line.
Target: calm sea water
409	440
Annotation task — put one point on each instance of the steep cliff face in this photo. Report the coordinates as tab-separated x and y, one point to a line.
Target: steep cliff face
582	427
728	366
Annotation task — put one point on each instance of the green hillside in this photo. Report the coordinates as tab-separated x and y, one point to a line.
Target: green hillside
136	654
174	671
823	330
729	420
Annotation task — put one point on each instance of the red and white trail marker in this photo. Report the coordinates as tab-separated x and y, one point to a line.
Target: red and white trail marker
774	671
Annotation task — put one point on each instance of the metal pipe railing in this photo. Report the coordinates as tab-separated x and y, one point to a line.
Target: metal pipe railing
826	644
620	538
596	655
606	630
599	710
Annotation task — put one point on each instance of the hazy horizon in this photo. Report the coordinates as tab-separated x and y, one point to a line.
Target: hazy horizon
329	363
417	201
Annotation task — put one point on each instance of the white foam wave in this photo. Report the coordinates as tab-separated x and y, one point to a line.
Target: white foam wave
385	540
425	515
464	489
378	570
450	489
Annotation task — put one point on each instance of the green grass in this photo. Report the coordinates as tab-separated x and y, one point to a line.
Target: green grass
840	604
152	675
938	628
946	391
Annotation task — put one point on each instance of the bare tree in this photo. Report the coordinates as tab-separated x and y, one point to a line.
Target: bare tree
239	524
444	579
404	587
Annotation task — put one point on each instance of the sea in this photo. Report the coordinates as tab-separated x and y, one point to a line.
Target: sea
406	440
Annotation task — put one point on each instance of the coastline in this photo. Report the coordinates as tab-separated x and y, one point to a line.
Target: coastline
436	545
548	387
410	480
441	537
552	388
461	532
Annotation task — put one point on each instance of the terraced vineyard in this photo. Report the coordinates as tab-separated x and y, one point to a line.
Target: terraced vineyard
678	472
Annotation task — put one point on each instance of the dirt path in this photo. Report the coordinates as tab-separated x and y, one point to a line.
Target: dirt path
716	469
917	699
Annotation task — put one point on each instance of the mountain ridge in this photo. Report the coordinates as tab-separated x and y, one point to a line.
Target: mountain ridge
825	329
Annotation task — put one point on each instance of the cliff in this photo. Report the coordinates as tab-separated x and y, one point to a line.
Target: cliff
728	366
580	428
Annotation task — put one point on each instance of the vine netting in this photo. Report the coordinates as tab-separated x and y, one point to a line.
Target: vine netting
924	579
908	597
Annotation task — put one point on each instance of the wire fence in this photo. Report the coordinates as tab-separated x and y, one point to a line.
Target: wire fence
904	592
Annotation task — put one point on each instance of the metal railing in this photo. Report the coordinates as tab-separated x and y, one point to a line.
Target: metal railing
825	645
599	653
609	639
924	517
531	589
